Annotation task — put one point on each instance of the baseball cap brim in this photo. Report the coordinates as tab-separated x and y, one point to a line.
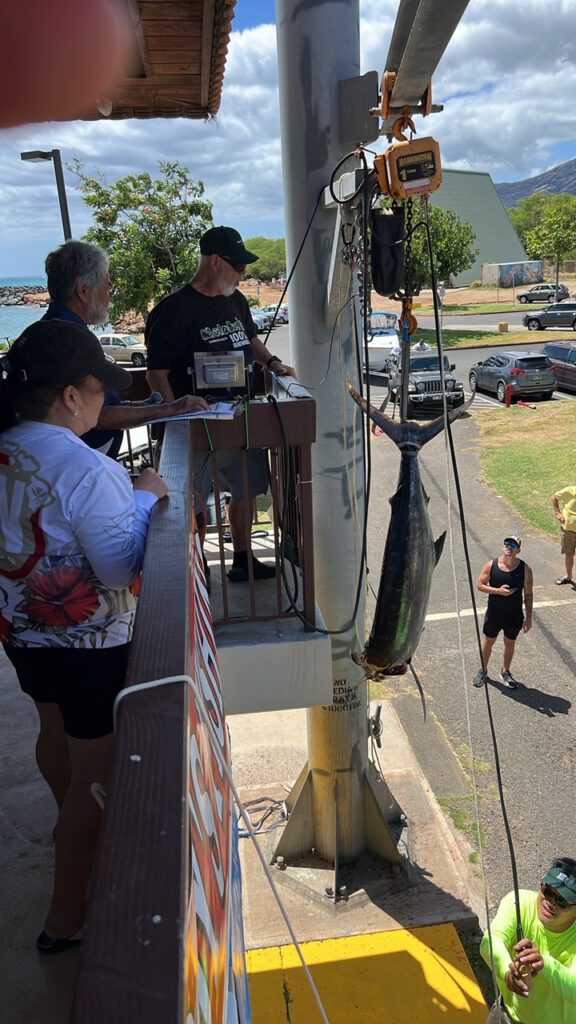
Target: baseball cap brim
514	541
563	884
114	376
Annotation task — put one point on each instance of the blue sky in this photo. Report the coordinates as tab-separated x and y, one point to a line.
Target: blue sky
507	79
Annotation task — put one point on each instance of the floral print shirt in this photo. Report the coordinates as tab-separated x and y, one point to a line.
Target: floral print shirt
72	538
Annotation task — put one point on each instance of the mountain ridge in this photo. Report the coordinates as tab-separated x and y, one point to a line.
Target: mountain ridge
561	178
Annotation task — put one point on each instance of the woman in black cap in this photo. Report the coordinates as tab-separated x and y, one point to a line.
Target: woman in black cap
72	537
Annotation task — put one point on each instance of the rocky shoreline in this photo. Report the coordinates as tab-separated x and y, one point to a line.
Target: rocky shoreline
23	295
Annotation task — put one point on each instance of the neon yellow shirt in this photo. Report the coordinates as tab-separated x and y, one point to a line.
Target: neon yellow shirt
552	999
566	498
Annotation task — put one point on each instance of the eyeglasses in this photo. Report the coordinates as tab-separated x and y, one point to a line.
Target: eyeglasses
238	267
553	897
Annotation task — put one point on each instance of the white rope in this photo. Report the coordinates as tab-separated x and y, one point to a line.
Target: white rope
245	817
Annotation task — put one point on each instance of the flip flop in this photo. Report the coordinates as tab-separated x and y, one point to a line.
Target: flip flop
563	579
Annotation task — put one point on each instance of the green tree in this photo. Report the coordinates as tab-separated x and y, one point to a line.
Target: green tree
527	215
272	258
452	245
149	228
554	237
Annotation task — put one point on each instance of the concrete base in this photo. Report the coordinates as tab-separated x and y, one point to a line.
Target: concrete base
420	976
435	890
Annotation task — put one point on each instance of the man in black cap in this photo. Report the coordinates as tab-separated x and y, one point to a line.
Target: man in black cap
210	315
509	583
536	974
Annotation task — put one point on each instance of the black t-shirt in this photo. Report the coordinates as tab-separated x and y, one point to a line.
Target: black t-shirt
188	322
510	607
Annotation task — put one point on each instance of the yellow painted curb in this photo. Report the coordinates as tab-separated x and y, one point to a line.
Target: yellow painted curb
421	976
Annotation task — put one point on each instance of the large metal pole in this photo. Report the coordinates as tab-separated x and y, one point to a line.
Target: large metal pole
57	160
318	44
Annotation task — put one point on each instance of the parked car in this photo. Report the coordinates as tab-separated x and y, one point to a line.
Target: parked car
282	317
382	341
124	348
425	384
529	374
261	319
562	354
544	293
559	314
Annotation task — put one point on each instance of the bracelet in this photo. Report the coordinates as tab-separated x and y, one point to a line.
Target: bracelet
272	359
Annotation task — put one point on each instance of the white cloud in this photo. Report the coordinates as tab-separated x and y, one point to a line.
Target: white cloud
507	81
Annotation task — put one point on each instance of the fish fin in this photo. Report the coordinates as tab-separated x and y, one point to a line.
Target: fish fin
420	690
388	426
439	546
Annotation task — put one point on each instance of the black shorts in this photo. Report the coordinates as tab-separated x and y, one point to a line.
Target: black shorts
493	624
83	683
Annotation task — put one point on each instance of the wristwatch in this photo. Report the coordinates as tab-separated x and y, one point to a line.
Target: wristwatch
272	359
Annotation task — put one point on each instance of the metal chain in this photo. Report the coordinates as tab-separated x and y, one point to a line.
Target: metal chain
408	248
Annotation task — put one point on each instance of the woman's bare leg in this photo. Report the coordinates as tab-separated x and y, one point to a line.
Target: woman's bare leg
77	835
52	755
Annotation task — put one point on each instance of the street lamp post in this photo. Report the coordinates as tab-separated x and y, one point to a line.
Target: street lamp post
36	155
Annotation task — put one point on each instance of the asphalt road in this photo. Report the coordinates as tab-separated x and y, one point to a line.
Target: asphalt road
535	724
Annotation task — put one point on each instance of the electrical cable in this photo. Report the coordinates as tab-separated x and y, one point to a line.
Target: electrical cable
469	576
295	264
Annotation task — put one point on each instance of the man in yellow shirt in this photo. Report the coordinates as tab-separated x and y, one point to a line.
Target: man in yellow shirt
564	505
536	975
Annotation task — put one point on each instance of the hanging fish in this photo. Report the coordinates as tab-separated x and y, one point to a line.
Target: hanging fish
411	553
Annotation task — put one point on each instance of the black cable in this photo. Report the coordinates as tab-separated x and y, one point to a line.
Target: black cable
295	264
463	530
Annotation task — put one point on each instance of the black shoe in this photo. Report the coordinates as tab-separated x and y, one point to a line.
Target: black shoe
262	571
48	946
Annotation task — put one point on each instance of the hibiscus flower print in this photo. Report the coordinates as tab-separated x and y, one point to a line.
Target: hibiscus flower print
61	597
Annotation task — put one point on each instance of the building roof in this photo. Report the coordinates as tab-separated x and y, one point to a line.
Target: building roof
179	56
473	196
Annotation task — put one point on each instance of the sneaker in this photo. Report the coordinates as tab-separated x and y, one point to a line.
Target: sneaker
480	678
262	571
562	580
508	678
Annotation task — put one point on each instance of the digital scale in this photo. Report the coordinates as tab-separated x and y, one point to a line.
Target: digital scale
409	168
219	370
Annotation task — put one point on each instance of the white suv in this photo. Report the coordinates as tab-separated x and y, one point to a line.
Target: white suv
124	348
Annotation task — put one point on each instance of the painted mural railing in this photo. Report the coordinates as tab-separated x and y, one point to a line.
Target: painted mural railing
164	939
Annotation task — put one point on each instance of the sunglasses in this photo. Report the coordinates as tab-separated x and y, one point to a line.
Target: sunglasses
238	267
553	897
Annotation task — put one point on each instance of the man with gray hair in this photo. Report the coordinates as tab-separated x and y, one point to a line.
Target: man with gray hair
81	292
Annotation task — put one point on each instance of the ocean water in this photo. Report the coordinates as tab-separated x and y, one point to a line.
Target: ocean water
5	282
14	319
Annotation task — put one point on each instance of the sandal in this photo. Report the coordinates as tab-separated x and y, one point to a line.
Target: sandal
563	579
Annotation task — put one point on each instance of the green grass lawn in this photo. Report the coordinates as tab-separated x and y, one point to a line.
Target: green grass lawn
469	338
528	455
471	308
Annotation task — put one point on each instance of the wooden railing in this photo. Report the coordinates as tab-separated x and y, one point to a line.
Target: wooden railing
163	834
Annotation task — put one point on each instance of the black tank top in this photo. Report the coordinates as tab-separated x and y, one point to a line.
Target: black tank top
510	606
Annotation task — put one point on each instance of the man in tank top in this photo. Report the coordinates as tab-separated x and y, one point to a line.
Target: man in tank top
508	581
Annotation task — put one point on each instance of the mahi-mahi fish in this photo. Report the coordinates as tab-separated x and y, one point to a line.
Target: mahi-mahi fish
410	555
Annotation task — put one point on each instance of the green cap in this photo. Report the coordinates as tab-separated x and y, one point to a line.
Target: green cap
565	885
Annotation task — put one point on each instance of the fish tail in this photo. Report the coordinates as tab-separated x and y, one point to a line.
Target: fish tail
408	433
